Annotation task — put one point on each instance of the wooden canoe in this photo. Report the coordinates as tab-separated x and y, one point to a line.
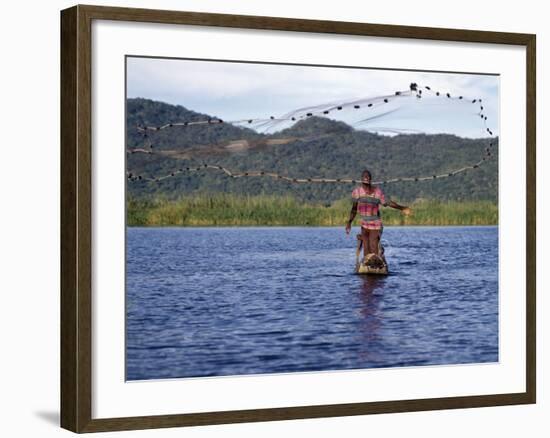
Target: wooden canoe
372	264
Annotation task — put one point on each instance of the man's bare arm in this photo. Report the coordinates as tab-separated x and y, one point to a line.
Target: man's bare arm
352	214
406	210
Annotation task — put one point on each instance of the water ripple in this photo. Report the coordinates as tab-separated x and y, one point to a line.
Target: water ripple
231	301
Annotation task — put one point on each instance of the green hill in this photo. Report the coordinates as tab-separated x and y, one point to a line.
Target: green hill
315	147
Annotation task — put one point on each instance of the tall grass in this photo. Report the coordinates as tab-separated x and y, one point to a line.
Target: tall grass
228	209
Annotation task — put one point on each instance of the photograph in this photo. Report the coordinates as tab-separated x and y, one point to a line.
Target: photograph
297	218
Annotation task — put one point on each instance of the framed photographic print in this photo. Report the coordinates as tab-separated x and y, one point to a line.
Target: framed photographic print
269	218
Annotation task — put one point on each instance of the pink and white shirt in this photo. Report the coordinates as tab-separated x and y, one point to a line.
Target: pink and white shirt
368	206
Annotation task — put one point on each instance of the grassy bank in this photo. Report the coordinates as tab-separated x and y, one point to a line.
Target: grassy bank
236	210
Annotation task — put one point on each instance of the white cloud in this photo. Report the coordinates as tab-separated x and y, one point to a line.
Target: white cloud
233	90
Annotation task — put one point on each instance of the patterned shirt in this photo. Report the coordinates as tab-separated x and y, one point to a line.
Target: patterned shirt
368	206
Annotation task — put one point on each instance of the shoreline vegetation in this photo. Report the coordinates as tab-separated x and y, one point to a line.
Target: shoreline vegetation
263	210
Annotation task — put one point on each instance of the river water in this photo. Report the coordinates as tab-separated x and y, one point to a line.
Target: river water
253	300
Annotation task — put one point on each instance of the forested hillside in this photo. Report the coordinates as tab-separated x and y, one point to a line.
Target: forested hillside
315	147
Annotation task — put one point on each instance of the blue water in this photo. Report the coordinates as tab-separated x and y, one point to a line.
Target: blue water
232	301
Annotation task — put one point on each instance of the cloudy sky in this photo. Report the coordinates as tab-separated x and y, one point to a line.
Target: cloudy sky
233	91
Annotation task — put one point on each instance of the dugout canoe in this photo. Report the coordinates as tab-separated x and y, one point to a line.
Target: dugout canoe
371	264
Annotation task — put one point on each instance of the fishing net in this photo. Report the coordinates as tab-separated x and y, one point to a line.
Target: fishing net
199	143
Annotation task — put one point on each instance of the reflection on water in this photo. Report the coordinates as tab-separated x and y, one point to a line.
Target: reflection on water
370	321
286	300
369	286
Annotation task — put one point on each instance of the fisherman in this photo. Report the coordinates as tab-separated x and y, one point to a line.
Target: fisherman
367	199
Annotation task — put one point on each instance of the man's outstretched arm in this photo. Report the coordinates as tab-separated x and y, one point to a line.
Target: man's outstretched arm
406	210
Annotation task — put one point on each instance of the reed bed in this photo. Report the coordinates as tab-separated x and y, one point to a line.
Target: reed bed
263	210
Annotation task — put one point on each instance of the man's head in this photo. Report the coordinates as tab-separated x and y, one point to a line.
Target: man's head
366	177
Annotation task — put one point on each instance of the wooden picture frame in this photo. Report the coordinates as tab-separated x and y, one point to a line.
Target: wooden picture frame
76	218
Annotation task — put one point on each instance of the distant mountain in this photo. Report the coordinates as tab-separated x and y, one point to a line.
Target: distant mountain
314	147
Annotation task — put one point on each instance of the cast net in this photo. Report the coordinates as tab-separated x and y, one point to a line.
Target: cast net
417	120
